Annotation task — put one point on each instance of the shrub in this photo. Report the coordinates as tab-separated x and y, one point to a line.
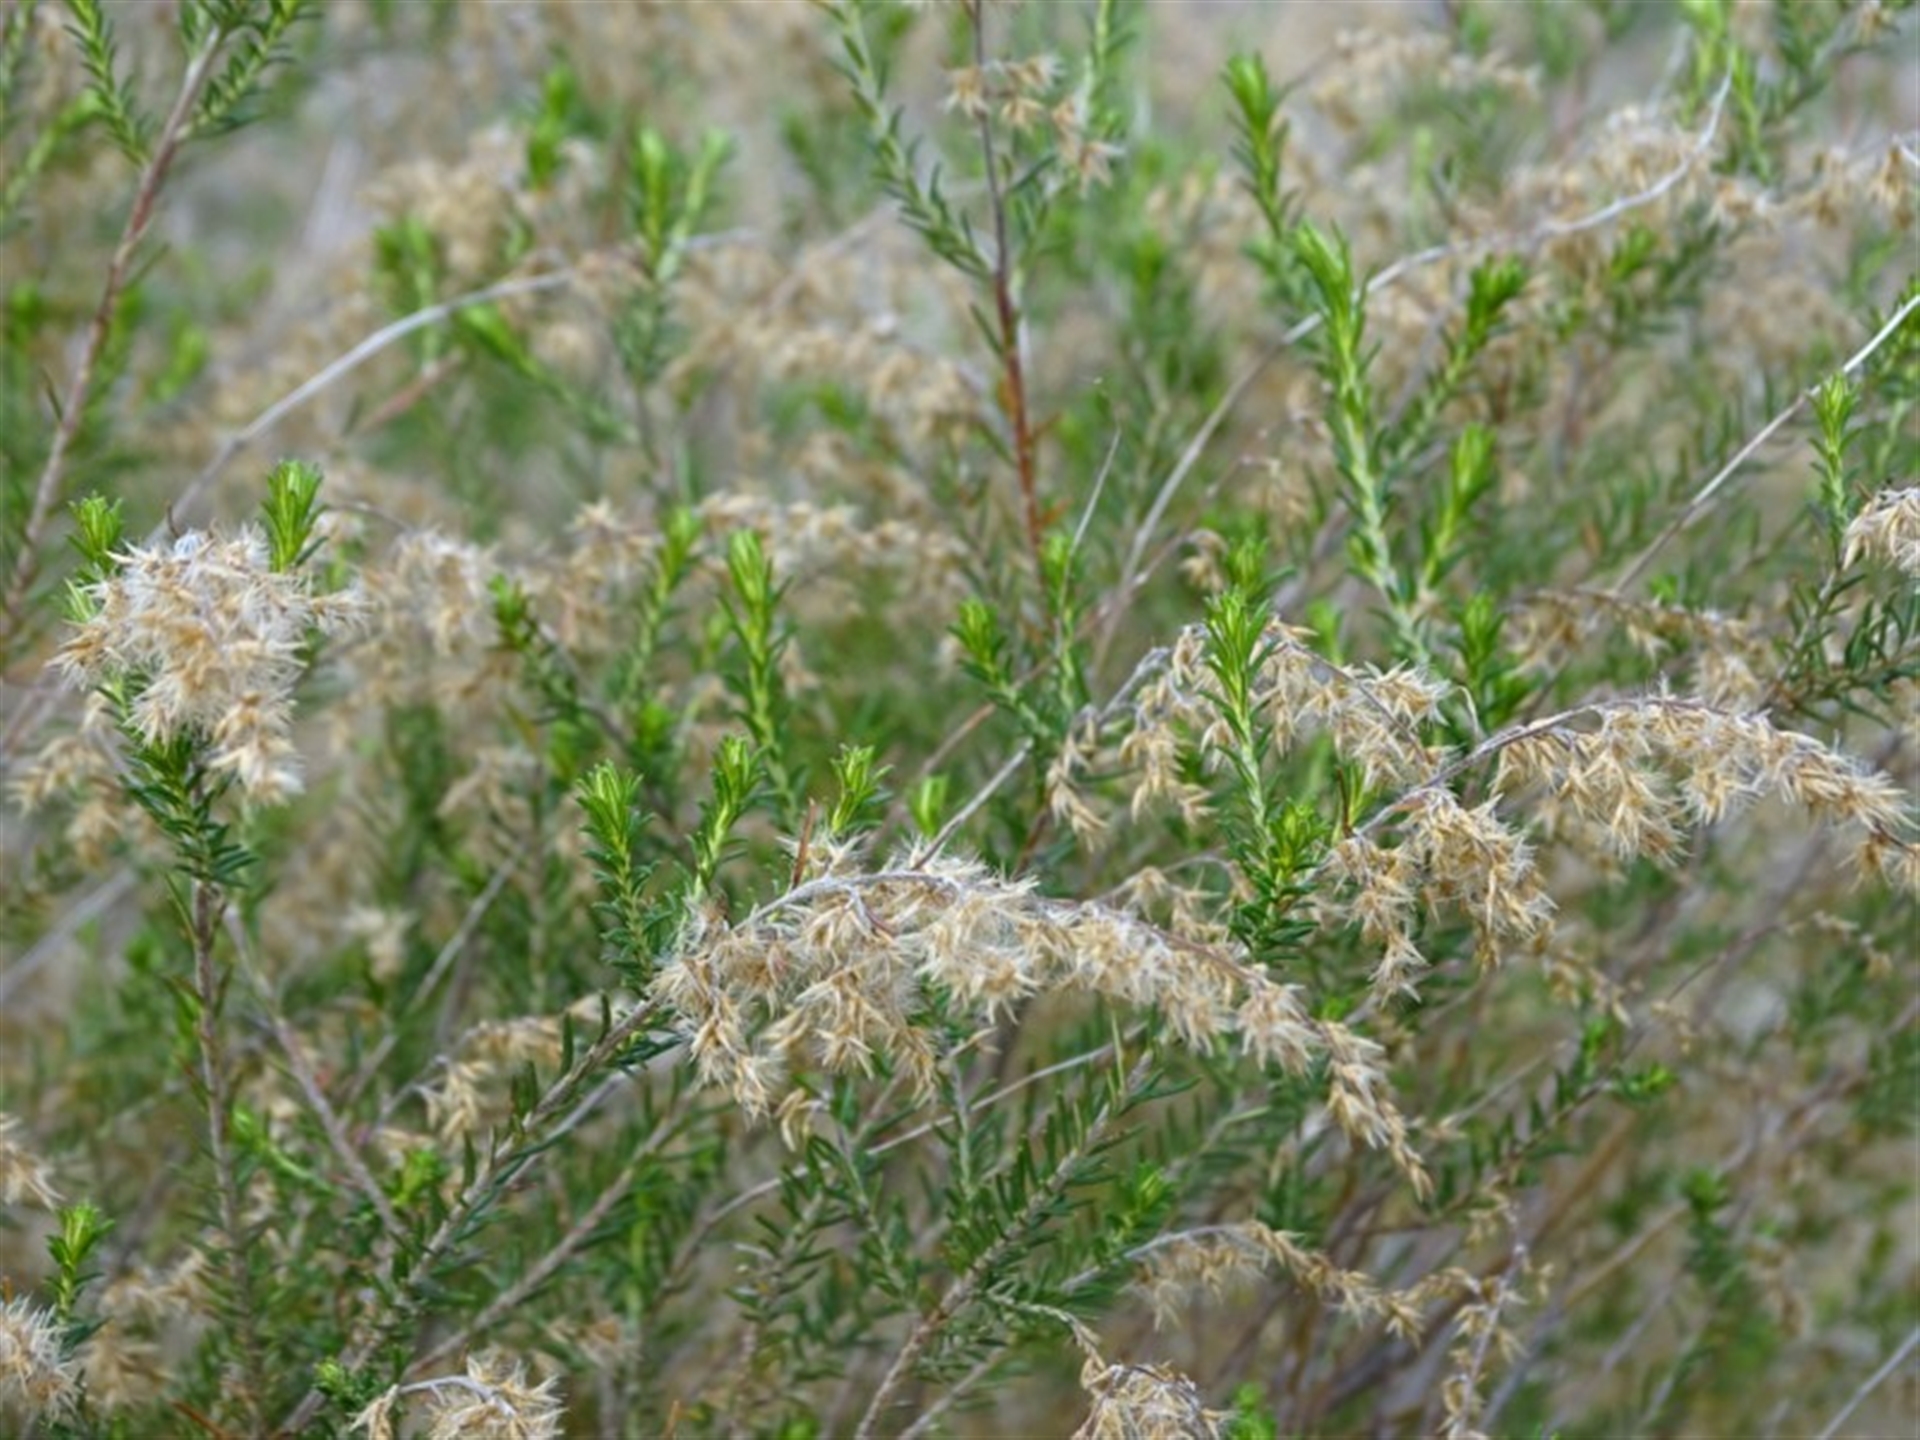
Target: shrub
964	719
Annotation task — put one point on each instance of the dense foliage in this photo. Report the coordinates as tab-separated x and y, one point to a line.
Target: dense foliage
963	719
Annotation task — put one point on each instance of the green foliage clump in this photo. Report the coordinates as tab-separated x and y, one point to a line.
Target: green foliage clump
958	722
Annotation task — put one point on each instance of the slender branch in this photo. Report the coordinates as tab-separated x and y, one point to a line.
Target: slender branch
537	1274
1147	666
330	1122
91	906
1871	1383
457	942
217	1083
303	1073
1468	1391
1007	311
382	339
1705	494
955	1392
73	407
980	797
500	1167
961	1293
352	360
759	1192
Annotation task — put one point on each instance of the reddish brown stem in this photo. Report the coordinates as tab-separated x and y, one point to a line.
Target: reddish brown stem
1013	386
79	388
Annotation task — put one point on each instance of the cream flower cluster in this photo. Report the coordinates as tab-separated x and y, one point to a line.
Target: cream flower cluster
209	640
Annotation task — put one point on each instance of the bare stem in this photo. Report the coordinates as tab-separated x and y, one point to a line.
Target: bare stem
344	364
1705	494
1873	1382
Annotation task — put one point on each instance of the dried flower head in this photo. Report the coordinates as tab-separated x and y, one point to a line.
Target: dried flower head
1651	767
1144	1402
1888	530
23	1173
38	1379
209	640
492	1401
833	974
1213	1259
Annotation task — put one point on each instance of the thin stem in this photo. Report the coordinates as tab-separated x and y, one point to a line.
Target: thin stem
1007	311
537	1274
961	1293
759	1192
772	1276
456	943
500	1168
1704	495
73	407
954	1394
778	1262
1467	1395
352	360
316	1096
1532	236
217	1083
980	797
1871	1383
91	906
1189	457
